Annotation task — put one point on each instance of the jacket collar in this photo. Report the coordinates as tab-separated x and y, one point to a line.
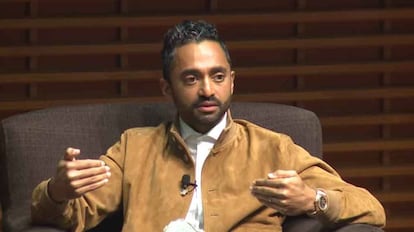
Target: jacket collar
227	136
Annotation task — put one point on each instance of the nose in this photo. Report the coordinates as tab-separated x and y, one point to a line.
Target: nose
206	88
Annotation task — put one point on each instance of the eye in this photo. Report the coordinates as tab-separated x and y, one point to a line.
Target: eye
219	77
190	80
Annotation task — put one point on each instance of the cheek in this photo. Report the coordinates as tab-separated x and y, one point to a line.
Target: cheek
228	89
184	96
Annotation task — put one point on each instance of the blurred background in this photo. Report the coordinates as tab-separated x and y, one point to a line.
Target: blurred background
349	61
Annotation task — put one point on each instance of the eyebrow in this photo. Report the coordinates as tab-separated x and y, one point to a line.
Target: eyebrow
197	71
218	69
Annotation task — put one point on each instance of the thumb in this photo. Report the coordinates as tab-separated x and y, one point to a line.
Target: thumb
282	174
71	153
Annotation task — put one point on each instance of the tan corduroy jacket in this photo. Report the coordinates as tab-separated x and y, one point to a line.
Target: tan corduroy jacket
147	165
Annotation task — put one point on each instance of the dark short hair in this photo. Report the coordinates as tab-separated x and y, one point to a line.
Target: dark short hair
184	33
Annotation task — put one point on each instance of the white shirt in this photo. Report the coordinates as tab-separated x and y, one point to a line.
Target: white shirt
199	146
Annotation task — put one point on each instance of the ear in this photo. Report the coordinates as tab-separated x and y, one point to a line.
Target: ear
165	88
232	76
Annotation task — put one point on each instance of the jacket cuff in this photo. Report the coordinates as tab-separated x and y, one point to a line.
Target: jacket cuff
47	202
331	214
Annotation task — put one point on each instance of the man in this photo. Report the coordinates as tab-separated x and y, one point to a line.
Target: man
241	177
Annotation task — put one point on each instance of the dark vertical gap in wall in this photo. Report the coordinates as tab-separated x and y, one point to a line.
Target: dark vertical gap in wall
212	6
386	104
32	40
299	54
123	37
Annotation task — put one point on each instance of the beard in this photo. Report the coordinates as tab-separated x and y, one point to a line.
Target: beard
203	121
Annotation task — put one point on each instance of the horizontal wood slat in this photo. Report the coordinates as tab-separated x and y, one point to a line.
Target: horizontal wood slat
26	105
251	72
1	1
376	171
79	49
397	66
355	41
400	223
367	119
390	197
229	19
376	145
388	93
79	76
377	40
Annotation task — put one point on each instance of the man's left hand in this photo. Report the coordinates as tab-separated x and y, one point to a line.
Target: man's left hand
285	191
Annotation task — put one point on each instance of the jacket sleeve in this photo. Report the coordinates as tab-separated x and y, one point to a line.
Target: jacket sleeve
347	203
88	210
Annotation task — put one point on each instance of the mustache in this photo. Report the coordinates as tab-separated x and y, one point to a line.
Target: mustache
202	100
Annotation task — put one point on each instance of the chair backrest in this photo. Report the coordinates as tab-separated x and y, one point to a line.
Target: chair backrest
32	143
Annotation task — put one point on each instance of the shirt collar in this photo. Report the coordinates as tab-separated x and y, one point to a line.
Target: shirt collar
187	131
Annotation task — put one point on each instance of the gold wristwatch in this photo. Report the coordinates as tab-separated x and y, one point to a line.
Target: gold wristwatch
320	203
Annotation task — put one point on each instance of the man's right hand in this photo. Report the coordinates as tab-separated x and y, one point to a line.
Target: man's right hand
76	177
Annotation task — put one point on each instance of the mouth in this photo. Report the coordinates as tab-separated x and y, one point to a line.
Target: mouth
207	107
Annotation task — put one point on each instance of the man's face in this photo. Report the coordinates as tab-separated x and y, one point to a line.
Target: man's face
201	84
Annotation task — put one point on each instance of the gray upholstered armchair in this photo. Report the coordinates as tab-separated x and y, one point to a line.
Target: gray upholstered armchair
31	145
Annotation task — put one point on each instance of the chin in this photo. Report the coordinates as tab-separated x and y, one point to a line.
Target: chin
209	120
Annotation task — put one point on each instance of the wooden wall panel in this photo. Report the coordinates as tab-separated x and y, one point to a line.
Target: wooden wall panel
349	61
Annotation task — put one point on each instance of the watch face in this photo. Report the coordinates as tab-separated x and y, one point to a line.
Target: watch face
323	204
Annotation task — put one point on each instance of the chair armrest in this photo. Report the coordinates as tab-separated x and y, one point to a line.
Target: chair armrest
359	228
42	229
18	219
301	223
23	224
304	223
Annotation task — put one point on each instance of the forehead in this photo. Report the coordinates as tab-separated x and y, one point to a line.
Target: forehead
200	55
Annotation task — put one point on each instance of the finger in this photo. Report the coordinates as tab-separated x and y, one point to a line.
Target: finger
91	187
85	164
282	174
273	183
88	172
271	202
71	153
266	192
79	183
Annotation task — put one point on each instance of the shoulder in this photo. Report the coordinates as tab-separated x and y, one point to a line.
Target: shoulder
256	134
257	130
147	131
